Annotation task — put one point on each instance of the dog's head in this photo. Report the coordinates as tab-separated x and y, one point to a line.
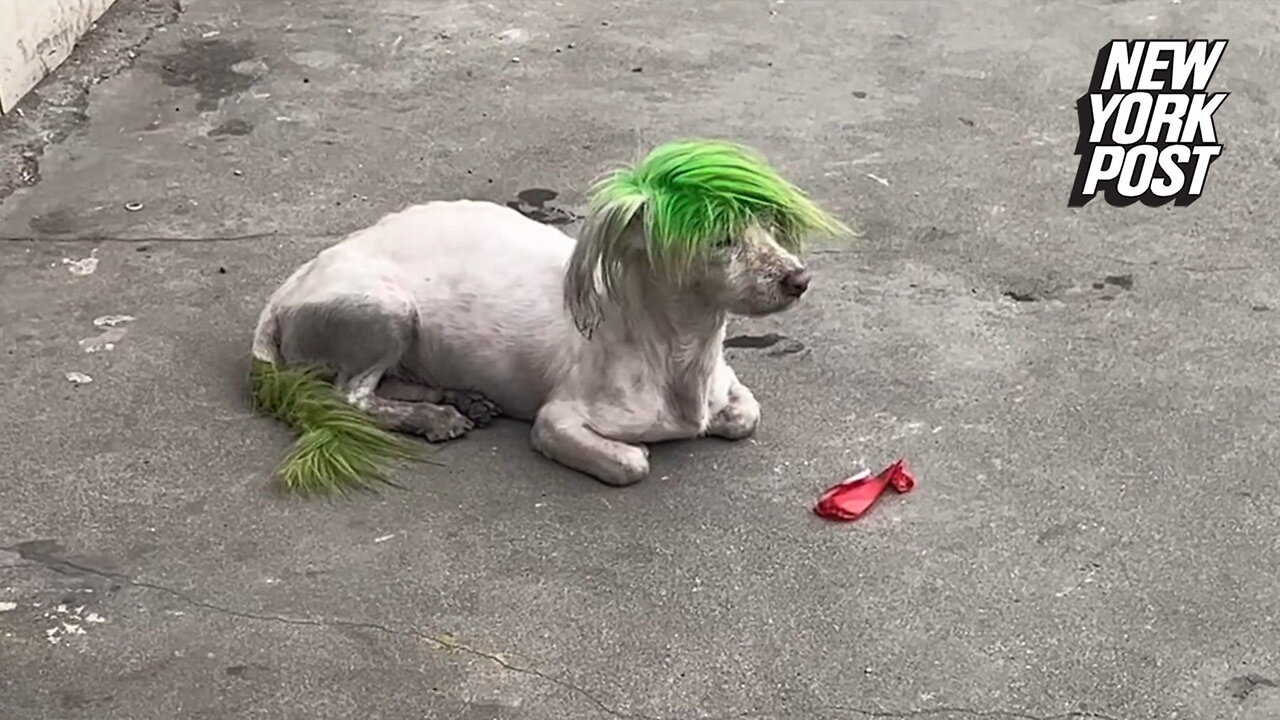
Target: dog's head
750	273
702	217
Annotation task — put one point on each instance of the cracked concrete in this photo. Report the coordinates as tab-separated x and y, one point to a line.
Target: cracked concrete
1084	395
446	643
437	641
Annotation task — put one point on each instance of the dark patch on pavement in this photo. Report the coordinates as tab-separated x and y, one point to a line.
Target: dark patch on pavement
246	672
788	347
932	234
754	342
207	66
92	571
784	345
532	203
76	700
50	554
537	196
22	171
235	127
1242	686
59	221
1124	282
1018	296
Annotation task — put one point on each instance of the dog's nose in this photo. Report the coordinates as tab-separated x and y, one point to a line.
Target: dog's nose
795	283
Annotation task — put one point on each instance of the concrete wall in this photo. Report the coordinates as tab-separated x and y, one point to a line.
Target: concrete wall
35	37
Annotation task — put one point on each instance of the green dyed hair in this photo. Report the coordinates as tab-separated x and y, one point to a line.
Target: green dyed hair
691	196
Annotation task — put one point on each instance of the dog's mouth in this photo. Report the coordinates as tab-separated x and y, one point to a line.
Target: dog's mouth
789	302
778	305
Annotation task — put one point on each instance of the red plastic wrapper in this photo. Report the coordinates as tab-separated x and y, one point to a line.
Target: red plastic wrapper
852	497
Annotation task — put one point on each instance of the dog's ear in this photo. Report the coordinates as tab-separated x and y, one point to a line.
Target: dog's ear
596	264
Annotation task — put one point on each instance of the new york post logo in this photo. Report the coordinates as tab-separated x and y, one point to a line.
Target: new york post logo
1146	124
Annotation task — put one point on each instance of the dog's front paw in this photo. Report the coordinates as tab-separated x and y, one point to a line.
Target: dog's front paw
735	421
630	467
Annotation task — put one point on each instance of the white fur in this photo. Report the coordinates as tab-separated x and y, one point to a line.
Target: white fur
480	292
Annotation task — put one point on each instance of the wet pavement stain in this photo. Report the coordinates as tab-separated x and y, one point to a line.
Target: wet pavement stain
1243	686
788	347
92	574
1018	296
1124	282
208	67
781	344
532	203
59	221
250	671
50	554
236	127
754	342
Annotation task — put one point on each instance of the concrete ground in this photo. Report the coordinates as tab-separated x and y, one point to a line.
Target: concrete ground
1088	397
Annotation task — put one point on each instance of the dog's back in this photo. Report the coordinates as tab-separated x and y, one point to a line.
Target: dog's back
480	283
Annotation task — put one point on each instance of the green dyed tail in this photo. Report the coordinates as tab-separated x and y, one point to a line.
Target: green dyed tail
339	448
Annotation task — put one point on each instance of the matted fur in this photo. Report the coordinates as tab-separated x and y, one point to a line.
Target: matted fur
437	317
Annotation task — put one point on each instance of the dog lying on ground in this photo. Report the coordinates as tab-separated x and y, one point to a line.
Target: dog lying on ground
442	316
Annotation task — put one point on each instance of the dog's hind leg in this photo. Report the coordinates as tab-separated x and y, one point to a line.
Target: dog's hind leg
561	433
478	409
433	421
359	340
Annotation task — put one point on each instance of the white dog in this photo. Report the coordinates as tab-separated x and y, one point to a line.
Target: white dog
444	315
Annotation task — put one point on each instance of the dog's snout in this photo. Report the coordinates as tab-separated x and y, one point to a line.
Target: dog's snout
796	282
